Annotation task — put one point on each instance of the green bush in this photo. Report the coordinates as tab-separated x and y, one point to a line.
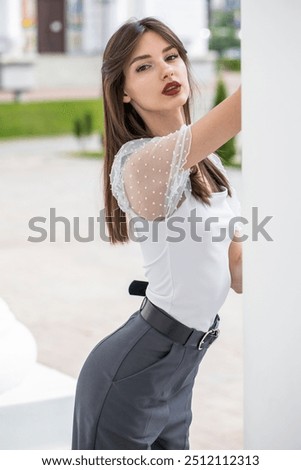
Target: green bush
228	150
46	118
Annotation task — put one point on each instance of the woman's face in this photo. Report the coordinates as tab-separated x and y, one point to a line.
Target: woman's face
156	80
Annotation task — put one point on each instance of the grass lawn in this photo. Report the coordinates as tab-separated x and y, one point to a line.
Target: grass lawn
87	154
46	118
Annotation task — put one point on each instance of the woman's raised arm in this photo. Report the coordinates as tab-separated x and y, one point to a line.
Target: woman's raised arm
214	129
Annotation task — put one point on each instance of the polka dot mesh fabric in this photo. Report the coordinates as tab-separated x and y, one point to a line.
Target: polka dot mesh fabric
147	176
148	179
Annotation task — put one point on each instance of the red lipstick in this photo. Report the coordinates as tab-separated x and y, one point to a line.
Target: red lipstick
171	88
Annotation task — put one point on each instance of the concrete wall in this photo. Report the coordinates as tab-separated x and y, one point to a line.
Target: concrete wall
271	73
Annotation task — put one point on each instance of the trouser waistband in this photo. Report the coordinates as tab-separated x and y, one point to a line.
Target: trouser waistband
175	330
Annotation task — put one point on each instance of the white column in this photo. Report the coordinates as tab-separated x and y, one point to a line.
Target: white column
92	26
99	22
11	26
109	20
271	71
136	8
187	19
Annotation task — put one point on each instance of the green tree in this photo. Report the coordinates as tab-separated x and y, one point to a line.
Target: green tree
77	128
83	126
227	151
223	31
87	123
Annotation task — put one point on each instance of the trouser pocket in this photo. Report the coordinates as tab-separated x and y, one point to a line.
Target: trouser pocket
151	349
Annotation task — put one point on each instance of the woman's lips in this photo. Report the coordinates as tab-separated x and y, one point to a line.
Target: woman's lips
172	88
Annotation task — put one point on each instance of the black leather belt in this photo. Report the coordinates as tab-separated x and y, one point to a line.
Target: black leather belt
175	330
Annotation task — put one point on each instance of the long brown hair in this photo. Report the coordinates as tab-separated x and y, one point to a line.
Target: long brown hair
123	123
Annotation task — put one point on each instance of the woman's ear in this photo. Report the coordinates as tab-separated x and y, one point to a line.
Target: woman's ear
126	98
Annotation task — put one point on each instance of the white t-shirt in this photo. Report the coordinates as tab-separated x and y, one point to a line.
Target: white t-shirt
184	242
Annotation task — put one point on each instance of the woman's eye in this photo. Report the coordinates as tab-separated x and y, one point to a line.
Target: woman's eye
142	68
172	57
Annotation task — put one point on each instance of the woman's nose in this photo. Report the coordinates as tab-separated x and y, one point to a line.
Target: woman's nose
167	71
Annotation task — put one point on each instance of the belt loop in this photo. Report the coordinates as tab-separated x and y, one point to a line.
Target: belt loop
143	303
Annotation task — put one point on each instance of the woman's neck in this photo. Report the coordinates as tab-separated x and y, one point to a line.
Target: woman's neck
161	124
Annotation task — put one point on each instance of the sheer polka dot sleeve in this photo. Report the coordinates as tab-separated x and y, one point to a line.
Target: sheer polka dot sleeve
147	176
233	201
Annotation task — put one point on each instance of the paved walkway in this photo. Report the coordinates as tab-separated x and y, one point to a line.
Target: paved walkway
71	294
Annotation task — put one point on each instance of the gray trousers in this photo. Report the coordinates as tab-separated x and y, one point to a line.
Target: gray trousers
134	391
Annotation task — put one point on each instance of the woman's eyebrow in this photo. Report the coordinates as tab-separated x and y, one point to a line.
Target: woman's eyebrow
147	56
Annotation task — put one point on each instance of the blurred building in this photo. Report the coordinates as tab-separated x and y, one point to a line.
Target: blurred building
84	26
57	44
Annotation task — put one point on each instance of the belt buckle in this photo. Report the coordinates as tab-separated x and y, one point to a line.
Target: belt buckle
214	332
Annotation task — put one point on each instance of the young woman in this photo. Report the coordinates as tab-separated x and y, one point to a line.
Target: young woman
160	178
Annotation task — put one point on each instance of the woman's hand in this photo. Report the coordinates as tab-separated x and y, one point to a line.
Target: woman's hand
235	264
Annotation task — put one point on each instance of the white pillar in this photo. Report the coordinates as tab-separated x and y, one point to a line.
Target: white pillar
11	25
99	22
136	8
271	71
92	26
187	19
109	20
